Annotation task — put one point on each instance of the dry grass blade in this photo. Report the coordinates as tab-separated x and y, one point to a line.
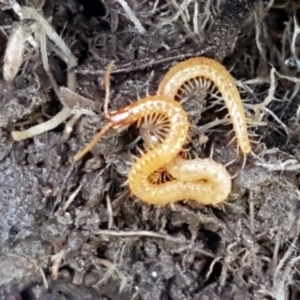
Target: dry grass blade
166	237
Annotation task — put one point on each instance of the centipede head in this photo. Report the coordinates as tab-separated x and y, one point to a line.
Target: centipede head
121	117
116	119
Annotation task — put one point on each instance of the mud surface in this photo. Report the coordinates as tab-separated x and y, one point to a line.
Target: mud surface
74	231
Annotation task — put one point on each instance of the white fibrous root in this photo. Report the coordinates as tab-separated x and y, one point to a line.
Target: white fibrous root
44	30
74	104
132	17
59	118
13	58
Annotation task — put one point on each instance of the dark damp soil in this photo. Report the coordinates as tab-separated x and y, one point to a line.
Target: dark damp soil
107	244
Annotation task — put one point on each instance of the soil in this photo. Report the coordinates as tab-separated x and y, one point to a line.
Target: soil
106	244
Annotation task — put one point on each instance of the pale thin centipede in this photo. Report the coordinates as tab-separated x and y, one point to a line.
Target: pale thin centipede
222	79
202	180
154	128
207	183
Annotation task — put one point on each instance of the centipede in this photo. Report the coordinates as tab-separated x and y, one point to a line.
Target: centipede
202	180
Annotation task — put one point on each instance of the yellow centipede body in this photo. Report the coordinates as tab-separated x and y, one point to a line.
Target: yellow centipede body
217	73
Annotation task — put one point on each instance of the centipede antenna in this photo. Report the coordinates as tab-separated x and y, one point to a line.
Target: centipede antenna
93	142
107	88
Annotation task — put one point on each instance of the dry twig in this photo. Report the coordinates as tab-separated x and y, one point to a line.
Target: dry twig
166	237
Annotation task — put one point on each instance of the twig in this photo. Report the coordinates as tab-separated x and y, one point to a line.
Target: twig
58	198
211	267
107	88
44	278
141	233
109	212
57	259
132	17
289	165
71	198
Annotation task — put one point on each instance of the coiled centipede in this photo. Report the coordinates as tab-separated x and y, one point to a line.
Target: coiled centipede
213	71
203	180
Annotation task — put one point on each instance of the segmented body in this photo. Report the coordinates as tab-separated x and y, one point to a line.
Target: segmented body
204	181
208	68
